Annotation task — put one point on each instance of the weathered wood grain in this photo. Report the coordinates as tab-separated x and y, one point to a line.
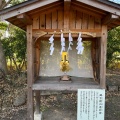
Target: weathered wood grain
42	21
103	57
79	16
36	22
30	72
60	19
72	19
48	21
85	21
91	23
53	83
54	20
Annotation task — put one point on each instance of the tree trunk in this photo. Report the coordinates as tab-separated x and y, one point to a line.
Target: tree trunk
3	63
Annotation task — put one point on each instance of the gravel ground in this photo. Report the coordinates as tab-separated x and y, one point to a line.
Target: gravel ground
64	106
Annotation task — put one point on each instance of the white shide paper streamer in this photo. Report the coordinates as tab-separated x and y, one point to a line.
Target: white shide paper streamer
62	43
51	39
79	47
70	42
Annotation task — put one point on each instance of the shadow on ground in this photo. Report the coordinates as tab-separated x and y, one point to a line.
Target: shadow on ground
64	106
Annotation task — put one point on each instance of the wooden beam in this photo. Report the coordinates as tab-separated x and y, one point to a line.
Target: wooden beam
80	9
85	32
73	32
25	19
47	8
76	30
37	34
75	37
109	19
24	9
57	36
103	56
89	8
46	11
67	4
101	6
52	83
30	72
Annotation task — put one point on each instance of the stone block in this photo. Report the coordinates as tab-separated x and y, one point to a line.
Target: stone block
38	116
20	99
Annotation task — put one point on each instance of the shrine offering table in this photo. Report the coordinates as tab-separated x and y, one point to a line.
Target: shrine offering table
54	83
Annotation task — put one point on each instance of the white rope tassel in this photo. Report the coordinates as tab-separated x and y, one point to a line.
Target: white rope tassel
62	43
80	47
70	42
51	39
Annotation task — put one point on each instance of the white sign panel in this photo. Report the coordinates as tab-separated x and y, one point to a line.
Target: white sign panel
91	104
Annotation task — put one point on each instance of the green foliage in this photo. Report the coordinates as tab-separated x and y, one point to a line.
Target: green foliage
15	46
113	45
14	2
3	26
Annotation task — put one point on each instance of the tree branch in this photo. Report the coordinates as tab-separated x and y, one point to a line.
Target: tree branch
3	3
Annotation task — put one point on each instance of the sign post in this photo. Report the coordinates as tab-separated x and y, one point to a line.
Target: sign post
91	104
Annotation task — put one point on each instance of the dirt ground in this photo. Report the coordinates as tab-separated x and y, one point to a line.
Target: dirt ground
64	106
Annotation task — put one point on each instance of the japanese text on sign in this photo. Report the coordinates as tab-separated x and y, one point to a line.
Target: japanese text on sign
91	104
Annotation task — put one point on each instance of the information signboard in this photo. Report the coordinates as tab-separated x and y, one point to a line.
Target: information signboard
91	104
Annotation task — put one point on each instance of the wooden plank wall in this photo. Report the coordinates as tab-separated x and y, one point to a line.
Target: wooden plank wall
78	20
55	20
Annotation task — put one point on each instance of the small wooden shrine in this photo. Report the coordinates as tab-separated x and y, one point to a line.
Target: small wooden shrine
43	18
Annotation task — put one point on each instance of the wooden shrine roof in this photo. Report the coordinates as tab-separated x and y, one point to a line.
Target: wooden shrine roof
23	14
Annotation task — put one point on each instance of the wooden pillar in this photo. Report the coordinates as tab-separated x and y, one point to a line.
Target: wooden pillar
30	73
103	56
97	59
93	58
37	92
37	58
37	98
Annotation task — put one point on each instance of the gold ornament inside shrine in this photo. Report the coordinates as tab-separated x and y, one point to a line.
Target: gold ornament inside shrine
65	66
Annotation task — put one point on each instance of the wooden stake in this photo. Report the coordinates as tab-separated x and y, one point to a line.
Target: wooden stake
30	73
37	98
103	57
